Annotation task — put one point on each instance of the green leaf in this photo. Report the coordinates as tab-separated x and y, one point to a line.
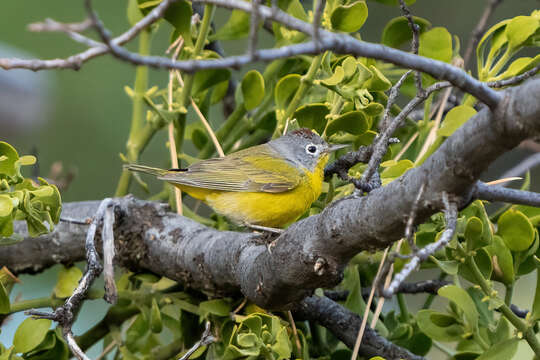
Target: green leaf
4	300
519	29
178	14
483	260
501	332
353	122
205	79
68	279
397	31
349	18
451	331
312	116
6	216
463	300
473	233
501	351
30	334
450	267
8	158
285	90
337	77
436	44
235	28
503	263
252	89
378	82
535	313
397	169
454	119
156	324
516	230
217	307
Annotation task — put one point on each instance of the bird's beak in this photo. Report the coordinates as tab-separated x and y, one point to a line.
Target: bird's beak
335	147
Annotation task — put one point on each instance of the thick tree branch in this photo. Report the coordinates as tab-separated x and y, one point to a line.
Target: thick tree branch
149	238
345	325
500	193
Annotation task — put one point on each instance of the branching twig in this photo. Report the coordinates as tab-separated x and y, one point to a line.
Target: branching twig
73	30
65	315
479	30
206	338
381	142
414	43
422	254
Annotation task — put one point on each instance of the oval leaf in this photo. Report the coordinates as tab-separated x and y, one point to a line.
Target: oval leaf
68	279
520	29
285	89
463	300
397	31
30	334
436	44
349	18
252	89
312	116
353	122
516	230
454	119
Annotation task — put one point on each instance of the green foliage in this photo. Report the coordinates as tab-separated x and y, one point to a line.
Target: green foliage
23	199
502	42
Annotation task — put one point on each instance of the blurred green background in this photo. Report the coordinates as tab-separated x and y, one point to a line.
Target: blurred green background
82	118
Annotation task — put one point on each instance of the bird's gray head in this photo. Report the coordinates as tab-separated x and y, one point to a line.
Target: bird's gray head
303	147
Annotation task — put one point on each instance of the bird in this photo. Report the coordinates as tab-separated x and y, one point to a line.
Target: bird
264	187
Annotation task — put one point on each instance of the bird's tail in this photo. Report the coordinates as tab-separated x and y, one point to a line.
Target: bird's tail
145	169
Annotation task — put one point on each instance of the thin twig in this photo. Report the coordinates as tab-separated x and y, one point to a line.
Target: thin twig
317	15
516	79
207	338
111	294
381	142
422	254
295	331
170	130
73	30
437	122
253	29
415	29
205	122
479	30
356	348
65	315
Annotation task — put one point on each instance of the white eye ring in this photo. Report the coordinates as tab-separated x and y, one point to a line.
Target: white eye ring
311	149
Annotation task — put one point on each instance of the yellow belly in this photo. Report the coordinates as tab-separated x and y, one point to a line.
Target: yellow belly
261	208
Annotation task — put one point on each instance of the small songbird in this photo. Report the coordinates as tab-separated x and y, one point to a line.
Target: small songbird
268	185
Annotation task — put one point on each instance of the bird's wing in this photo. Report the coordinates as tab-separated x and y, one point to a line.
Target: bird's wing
257	169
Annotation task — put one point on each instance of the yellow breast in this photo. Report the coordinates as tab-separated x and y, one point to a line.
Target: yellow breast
261	208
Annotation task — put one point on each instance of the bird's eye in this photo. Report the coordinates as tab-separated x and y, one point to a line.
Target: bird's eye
311	149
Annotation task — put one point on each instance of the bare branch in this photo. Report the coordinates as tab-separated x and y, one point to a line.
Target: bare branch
111	294
345	324
206	339
65	315
317	15
75	61
516	79
52	25
479	30
422	254
499	193
253	29
414	43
